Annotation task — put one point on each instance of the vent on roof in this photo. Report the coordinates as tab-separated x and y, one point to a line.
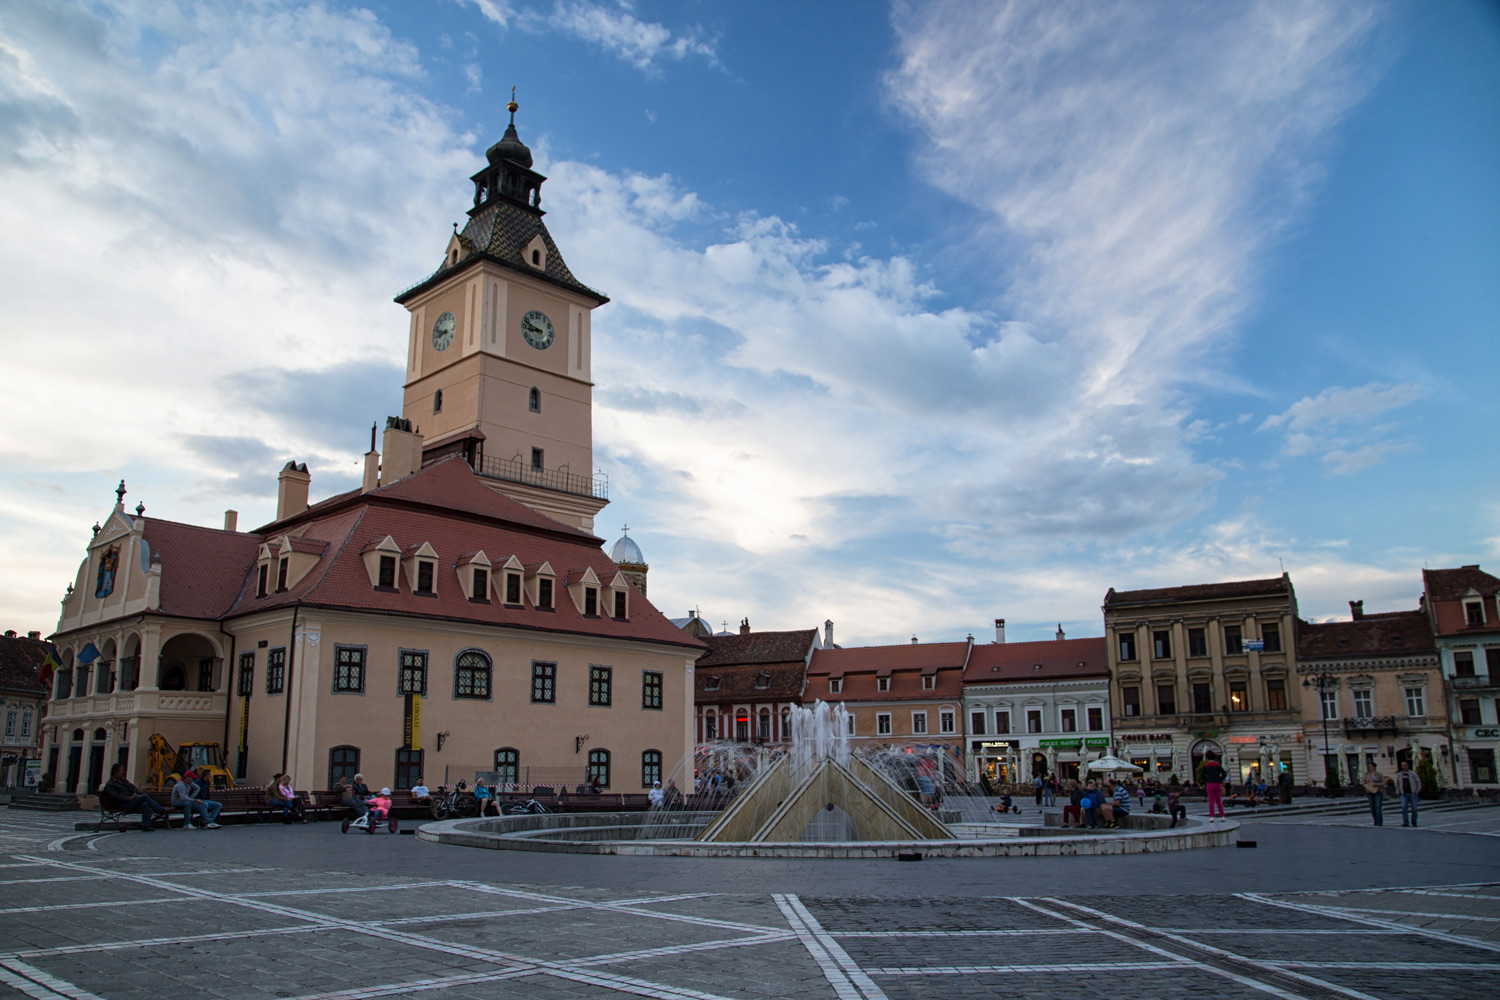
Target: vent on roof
994	670
1343	642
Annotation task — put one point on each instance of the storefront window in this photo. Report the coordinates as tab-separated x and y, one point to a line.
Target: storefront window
1482	766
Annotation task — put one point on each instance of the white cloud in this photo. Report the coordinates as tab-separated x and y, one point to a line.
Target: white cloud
612	27
1338	422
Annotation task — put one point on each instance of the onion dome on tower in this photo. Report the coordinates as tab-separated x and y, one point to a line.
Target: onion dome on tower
627	555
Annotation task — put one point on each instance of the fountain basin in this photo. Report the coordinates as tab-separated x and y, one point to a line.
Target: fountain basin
620	833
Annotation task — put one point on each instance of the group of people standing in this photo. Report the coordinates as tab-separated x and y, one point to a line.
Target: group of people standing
1407	784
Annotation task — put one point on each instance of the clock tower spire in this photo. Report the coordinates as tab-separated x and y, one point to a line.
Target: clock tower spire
498	358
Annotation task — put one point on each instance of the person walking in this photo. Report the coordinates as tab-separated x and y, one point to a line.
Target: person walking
1049	791
1374	783
1408	786
1213	785
1038	783
1284	784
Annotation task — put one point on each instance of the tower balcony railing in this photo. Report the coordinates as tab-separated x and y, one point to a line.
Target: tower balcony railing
514	470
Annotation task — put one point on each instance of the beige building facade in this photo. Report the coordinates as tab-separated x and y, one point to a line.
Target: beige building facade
453	616
1207	670
1373	694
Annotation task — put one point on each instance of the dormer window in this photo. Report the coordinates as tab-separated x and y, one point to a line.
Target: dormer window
534	400
763	681
536	258
513	588
481	589
882	684
929	682
281	566
260	584
1474	612
835	685
387	573
544	593
619	604
424	574
710	684
590	601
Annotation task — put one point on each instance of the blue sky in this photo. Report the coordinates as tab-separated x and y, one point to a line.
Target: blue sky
923	314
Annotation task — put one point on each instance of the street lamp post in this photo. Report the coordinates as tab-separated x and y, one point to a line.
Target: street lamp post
1325	680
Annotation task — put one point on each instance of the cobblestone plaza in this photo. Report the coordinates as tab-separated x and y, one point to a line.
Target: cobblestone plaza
1321	908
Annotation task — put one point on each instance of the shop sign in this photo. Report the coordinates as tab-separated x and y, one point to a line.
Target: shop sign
1060	744
1096	741
992	744
1484	734
1241	739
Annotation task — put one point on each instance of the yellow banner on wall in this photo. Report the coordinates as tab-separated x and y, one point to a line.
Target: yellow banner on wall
413	728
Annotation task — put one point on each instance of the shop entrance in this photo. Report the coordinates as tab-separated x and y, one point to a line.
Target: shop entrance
1038	765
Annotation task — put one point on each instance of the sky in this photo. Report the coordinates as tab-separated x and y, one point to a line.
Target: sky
921	314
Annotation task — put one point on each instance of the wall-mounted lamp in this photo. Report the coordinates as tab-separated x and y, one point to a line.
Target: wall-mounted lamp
579	741
442	738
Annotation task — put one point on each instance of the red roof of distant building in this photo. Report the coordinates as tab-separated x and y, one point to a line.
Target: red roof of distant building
883	659
1388	633
21	663
999	662
1452	584
758	647
203	570
1275	586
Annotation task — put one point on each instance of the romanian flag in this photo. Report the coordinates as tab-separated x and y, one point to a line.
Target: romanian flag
49	664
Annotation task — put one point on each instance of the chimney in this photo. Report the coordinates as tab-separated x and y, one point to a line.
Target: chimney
828	634
403	451
231	520
1060	634
372	465
1356	610
1000	630
33	634
291	490
744	626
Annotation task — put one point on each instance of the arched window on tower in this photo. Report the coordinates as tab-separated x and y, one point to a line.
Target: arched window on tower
437	401
535	400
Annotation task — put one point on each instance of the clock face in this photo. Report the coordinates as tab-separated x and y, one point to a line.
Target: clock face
537	329
442	331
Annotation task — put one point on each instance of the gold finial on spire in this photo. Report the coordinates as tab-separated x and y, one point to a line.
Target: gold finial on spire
512	106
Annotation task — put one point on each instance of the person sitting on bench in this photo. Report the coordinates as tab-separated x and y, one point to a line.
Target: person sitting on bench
120	794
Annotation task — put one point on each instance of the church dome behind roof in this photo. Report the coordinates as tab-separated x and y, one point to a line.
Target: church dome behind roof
626	551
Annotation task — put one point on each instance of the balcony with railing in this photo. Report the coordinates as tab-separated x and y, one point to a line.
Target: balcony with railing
514	470
1476	682
1371	724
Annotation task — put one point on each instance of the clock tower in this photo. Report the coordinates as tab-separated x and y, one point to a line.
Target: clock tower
498	358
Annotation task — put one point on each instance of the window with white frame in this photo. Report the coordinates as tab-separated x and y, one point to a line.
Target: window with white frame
1364	703
883	724
1069	719
929	682
1002	723
919	723
851	723
1096	719
835	685
882	684
976	723
946	721
1033	720
1330	701
1416	702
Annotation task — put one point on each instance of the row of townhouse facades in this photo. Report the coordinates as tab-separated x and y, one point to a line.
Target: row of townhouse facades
1225	670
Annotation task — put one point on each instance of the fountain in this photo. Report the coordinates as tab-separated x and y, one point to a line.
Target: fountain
821	798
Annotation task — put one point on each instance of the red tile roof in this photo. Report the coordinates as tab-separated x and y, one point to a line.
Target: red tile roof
999	662
446	505
20	664
1390	633
1452	584
876	659
758	647
1274	587
203	570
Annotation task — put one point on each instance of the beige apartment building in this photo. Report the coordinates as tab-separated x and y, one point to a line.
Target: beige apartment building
1374	694
453	615
1204	670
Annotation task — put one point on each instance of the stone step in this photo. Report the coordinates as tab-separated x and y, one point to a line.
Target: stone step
46	802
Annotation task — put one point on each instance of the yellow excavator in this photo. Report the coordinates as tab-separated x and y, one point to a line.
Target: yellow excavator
166	765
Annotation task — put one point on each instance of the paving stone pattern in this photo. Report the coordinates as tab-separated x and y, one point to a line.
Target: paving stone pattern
133	916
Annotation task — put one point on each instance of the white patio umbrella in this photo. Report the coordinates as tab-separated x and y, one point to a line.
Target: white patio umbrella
1113	765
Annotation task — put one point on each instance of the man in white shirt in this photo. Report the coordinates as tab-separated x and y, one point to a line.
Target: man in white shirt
421	794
